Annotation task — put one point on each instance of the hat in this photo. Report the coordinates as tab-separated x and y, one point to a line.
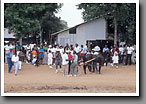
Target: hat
45	42
50	45
97	48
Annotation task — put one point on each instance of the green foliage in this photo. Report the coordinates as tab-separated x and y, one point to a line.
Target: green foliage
125	14
27	19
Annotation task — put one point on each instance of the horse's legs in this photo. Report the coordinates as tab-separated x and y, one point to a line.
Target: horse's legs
99	68
94	66
84	67
89	67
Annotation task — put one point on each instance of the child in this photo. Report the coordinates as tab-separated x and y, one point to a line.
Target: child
15	60
34	56
34	60
115	58
50	58
34	53
64	61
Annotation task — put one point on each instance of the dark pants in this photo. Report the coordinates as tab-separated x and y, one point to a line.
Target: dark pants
9	64
121	58
69	64
128	57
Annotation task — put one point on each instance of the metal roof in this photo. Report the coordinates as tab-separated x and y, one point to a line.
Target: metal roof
77	25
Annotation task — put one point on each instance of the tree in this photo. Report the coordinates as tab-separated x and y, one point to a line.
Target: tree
32	20
122	14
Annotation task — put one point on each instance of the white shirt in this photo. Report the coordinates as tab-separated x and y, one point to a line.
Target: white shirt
31	46
12	46
130	50
77	49
64	58
54	50
7	48
27	47
18	53
121	49
85	49
15	58
49	49
50	55
61	51
105	49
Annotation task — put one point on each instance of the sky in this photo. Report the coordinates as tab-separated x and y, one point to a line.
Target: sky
70	14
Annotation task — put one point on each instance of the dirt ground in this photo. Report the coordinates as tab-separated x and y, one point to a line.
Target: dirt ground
42	79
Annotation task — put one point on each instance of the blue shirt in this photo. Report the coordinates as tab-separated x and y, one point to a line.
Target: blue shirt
41	50
10	54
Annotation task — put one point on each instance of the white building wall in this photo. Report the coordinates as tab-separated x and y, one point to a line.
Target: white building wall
94	30
80	36
65	37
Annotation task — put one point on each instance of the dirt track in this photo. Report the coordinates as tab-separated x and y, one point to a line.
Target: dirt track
42	79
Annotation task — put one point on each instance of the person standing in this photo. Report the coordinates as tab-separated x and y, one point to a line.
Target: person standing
45	47
74	65
7	51
121	56
69	61
130	50
58	60
77	49
50	59
21	55
18	46
115	58
53	50
41	54
34	56
64	61
9	60
105	49
15	60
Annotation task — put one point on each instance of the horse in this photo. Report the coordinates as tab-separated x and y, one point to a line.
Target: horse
92	60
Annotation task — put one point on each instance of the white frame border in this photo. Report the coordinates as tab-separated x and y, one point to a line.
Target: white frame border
70	94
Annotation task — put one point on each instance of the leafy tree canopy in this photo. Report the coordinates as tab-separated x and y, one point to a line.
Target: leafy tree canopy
28	19
123	13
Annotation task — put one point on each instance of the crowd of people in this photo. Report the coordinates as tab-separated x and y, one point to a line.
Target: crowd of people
63	57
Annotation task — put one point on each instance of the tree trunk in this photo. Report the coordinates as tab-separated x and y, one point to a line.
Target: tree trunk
41	38
20	40
115	31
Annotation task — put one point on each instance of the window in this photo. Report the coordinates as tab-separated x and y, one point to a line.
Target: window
72	30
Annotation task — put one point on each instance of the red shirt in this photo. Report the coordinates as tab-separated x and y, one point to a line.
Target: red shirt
13	51
69	56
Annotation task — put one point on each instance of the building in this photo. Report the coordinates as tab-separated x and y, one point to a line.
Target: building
82	33
8	37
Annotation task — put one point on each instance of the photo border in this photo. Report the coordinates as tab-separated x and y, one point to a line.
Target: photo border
70	94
